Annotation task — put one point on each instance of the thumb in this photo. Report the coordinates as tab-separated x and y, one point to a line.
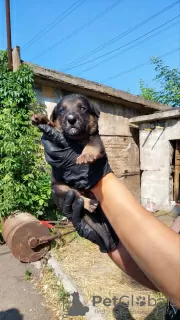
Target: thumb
53	135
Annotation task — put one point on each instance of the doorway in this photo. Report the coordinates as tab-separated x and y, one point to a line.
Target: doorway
176	170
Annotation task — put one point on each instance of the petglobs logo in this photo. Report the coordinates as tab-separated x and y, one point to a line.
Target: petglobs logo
122	303
128	300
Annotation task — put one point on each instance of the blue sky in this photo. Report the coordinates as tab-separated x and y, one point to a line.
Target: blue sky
29	17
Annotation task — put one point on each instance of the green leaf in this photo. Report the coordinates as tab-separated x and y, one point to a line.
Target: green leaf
41	202
169	83
24	175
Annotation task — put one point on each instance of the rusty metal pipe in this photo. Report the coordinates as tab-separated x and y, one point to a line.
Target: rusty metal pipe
34	242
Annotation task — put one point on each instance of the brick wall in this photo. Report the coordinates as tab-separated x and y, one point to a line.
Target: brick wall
123	153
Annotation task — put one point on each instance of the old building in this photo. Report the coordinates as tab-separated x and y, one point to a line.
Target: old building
117	107
159	159
120	137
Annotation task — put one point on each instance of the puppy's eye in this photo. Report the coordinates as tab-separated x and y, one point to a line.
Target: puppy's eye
83	108
61	111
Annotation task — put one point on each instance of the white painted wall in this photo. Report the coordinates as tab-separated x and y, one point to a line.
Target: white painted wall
155	150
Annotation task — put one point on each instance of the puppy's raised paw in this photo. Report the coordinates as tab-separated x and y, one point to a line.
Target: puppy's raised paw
86	158
39	119
35	119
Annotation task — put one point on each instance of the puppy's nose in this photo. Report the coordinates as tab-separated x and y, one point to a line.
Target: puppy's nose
71	119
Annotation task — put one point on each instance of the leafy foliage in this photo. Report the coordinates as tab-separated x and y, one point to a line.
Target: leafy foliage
169	80
24	175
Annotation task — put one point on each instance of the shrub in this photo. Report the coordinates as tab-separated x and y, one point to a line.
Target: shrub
24	175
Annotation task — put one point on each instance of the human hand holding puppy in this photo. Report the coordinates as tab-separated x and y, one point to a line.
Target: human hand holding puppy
72	141
95	228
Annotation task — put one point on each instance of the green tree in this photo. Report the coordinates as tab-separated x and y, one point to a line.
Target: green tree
24	175
169	80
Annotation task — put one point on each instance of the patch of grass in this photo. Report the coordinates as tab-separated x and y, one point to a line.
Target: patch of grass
1	237
161	213
56	297
49	286
28	275
76	236
63	294
96	275
64	297
68	235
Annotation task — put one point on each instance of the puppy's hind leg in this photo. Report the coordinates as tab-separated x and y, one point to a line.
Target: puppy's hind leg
60	191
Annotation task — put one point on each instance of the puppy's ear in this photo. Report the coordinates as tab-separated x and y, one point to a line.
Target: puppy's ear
54	114
94	110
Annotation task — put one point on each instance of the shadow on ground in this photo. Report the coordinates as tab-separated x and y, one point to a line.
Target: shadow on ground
11	314
121	312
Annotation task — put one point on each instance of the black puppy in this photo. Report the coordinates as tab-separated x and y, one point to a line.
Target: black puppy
77	118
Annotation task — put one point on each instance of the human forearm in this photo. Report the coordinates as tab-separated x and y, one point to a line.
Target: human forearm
153	246
123	260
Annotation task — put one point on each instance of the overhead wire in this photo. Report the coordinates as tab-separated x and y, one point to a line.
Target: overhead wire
79	29
139	66
117	49
60	18
131	47
121	35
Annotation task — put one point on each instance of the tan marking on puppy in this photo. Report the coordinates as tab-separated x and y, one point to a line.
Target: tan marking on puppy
57	124
61	190
93	124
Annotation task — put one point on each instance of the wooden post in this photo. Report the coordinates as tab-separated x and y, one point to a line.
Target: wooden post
8	27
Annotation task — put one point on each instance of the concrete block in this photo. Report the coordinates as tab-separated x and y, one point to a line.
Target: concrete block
155	187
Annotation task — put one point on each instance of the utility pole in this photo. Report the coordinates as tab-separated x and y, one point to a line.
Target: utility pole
8	29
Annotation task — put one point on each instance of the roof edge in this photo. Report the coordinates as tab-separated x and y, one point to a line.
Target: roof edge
106	92
165	115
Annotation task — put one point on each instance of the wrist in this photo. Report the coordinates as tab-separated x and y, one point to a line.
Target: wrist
97	189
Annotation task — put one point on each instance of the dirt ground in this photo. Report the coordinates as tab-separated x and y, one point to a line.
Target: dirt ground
100	279
115	294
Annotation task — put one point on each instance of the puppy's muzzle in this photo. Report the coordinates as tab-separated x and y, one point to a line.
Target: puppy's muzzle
74	125
71	119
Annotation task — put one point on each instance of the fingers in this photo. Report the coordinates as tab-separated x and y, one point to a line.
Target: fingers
78	212
51	149
75	214
67	205
53	135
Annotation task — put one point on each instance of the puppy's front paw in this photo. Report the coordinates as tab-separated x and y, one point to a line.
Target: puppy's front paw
39	119
86	158
35	119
